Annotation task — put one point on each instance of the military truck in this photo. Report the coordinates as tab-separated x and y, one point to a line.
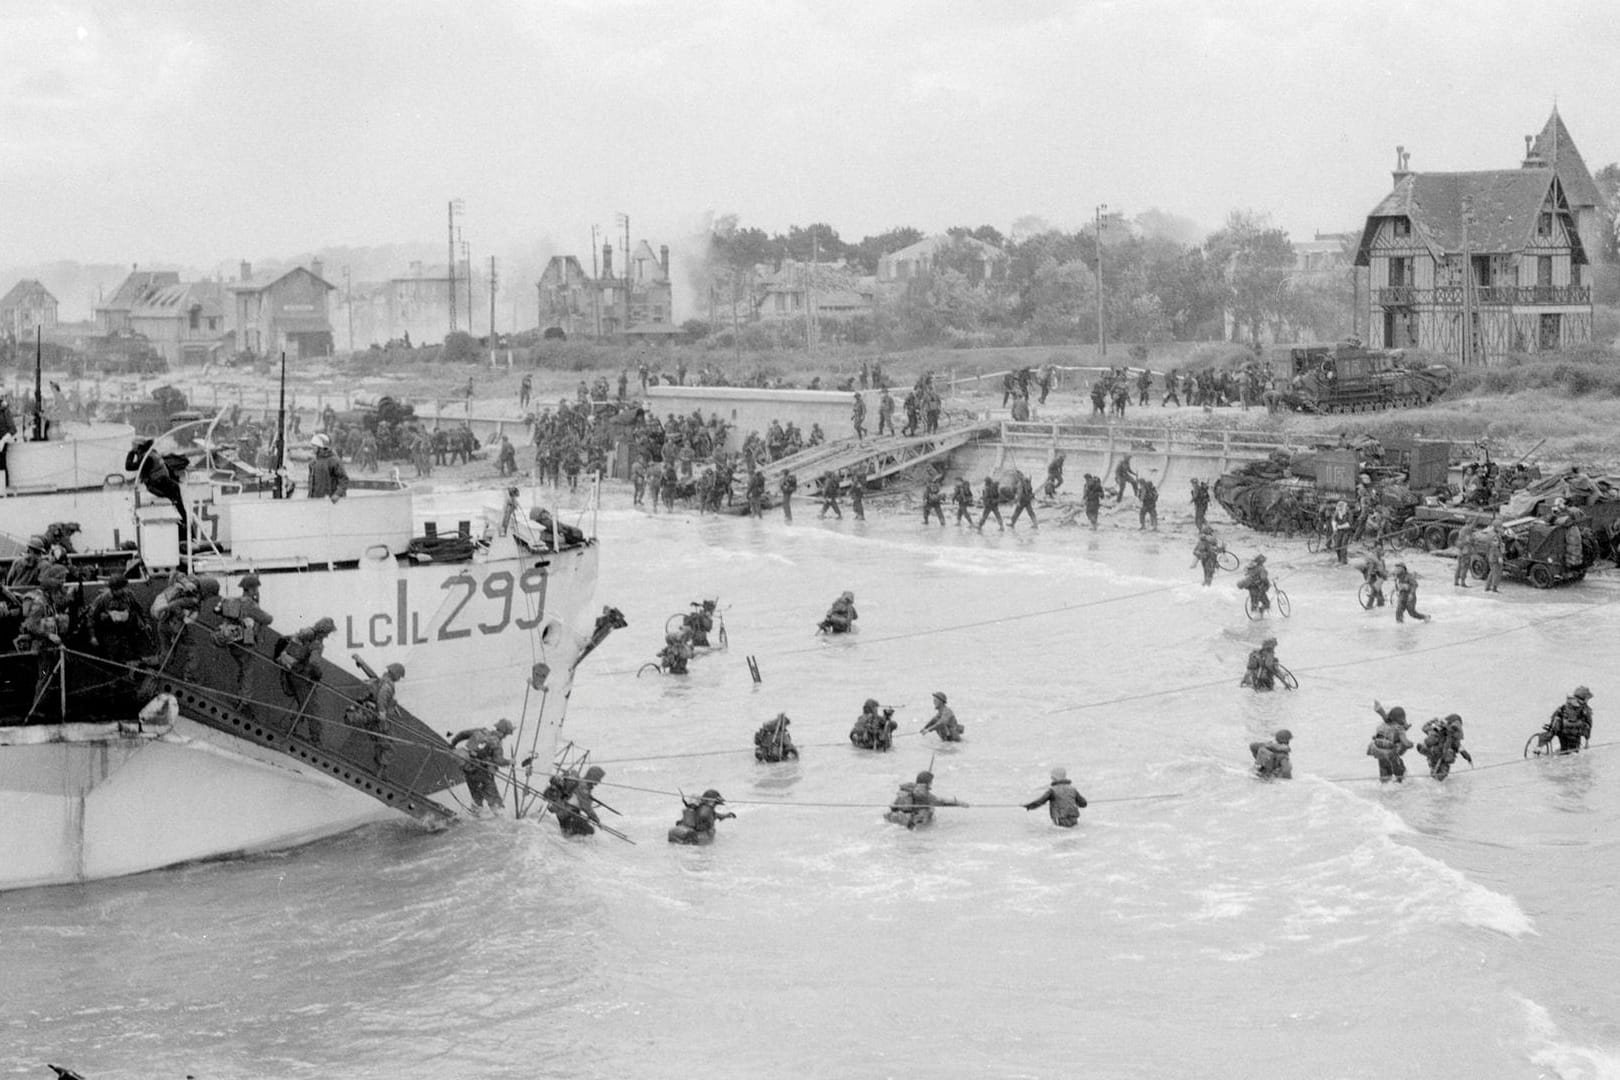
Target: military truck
1349	378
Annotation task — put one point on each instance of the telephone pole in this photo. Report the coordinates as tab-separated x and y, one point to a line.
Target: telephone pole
624	220
450	260
348	302
492	281
1102	335
466	262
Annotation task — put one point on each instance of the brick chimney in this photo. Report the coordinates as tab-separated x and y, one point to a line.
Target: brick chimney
663	258
315	267
247	271
607	260
1401	158
1532	160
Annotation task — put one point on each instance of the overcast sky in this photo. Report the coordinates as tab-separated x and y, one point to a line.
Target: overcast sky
200	133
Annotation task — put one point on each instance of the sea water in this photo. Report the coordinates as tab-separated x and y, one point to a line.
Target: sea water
1198	922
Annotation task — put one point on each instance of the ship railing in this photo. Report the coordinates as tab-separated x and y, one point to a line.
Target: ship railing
317	715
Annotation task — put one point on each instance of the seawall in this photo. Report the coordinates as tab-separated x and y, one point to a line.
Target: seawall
1160	453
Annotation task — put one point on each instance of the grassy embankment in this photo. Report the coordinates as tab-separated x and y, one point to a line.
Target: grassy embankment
1570	400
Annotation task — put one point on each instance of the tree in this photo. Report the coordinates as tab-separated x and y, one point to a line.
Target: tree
819	242
739	248
1254	261
988	233
1608	182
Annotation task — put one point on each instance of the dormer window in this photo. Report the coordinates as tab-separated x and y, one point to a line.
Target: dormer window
1544	224
1402	226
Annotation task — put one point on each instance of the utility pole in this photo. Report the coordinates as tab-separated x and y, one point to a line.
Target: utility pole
466	264
1102	334
596	290
810	294
450	259
624	220
492	282
348	302
1468	290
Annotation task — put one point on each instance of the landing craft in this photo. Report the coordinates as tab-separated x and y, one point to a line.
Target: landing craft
88	792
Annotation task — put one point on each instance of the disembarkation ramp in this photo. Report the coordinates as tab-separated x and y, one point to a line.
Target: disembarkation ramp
882	456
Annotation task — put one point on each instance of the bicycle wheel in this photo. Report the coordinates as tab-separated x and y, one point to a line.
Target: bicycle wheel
725	641
1287	678
1531	749
674	622
1282	602
1313	542
1226	561
1252	609
1365	595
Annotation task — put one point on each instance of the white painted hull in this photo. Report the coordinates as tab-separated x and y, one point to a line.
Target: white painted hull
96	804
99	804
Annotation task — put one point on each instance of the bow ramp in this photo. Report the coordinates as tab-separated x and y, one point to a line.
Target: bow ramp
323	725
882	456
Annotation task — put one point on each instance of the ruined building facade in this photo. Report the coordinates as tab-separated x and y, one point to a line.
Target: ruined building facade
635	305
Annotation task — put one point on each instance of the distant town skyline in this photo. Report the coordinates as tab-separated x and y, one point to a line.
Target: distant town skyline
197	134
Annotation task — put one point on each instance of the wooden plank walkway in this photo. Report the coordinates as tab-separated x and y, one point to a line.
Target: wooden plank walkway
883	456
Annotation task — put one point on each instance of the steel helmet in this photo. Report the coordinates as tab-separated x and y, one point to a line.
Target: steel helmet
595	773
1284	735
713	796
925	777
1259	558
504	726
320	441
324	625
939	696
871	703
249	581
1397	715
395	670
36	543
1582	692
1269	643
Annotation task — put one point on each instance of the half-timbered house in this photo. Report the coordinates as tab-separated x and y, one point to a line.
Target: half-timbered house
1496	252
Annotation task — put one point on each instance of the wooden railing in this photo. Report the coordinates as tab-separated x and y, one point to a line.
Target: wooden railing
1485	295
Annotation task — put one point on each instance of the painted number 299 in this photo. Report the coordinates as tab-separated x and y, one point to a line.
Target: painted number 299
498	587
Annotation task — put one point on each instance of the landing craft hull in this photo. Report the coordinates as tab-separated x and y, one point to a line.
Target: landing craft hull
82	802
93	803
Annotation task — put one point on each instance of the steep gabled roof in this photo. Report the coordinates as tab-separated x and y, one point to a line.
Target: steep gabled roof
27	292
929	246
261	282
176	301
1557	149
1502	207
137	285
